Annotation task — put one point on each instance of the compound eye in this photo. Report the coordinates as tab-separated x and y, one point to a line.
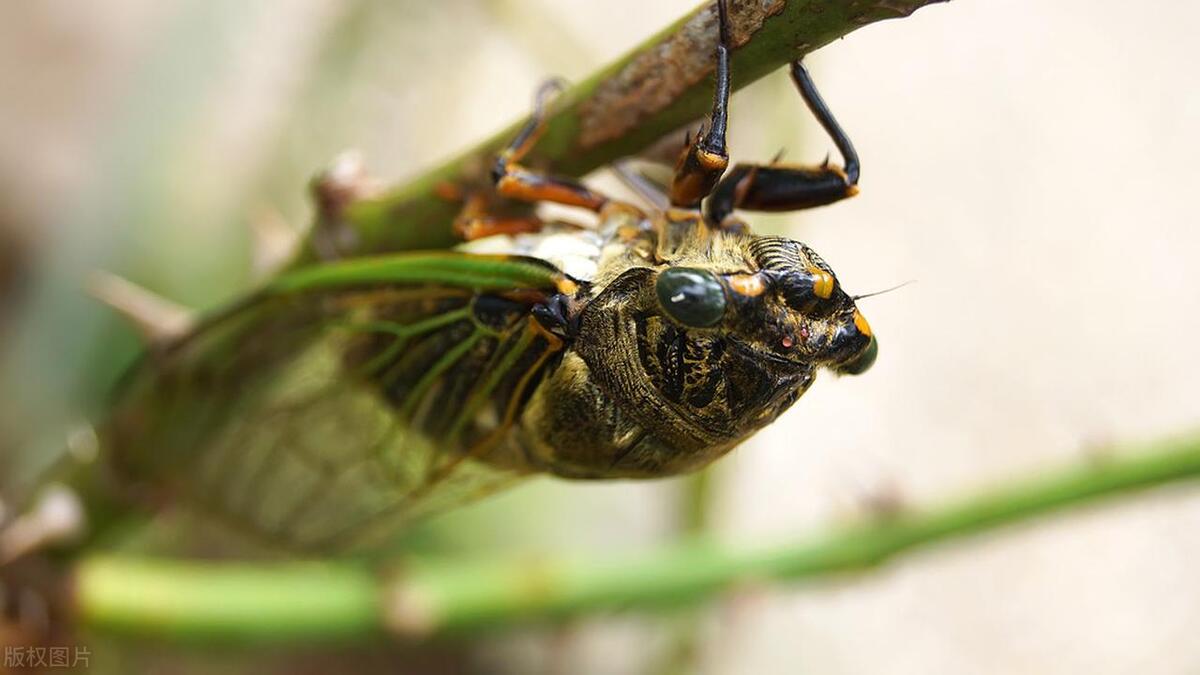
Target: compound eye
693	297
863	361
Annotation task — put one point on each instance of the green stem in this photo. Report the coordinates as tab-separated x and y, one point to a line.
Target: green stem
659	86
207	603
695	519
696	502
293	602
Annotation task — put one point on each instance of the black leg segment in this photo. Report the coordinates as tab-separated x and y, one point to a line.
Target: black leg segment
779	187
816	104
704	160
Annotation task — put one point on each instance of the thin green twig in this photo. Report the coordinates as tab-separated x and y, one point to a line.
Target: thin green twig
298	602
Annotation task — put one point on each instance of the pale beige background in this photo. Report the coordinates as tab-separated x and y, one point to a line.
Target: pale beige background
1032	165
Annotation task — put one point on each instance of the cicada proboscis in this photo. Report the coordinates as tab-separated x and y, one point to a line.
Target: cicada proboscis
352	396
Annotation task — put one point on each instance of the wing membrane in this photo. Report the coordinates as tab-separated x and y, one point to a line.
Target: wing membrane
332	409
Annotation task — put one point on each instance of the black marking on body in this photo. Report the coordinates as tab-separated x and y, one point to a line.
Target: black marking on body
746	386
709	379
671	352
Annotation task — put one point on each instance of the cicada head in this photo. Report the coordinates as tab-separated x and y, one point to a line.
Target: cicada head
794	307
702	352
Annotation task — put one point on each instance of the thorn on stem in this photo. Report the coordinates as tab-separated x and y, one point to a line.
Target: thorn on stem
156	318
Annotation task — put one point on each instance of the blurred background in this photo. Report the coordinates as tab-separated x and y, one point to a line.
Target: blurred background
1031	165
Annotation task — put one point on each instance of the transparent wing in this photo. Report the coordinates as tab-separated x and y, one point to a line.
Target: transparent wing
328	418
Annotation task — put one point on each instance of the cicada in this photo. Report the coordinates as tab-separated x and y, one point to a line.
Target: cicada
350	397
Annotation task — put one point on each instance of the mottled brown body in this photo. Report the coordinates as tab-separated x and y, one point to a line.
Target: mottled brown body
637	395
629	392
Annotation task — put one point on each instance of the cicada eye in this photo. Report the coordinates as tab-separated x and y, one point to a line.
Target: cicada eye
691	296
863	362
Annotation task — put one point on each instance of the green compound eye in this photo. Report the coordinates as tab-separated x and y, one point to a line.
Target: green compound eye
690	296
863	362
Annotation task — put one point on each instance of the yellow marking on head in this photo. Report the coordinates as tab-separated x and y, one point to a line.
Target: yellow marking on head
750	285
710	160
822	284
860	322
851	190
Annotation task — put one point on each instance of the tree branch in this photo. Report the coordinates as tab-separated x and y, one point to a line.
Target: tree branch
303	601
661	85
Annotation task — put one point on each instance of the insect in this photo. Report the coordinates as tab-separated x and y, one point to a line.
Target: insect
350	397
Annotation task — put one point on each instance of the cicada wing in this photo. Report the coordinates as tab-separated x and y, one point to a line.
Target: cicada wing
320	462
327	420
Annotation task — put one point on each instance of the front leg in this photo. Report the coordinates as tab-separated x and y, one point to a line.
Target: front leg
704	160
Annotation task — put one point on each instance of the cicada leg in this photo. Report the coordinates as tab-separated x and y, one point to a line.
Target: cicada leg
518	182
704	159
778	187
771	187
515	181
474	221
